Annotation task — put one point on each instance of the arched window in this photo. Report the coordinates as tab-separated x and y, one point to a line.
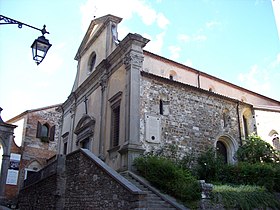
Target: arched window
172	75
276	142
247	118
211	88
91	62
45	132
245	126
226	118
243	99
275	139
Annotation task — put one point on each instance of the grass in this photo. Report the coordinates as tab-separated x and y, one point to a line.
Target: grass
244	197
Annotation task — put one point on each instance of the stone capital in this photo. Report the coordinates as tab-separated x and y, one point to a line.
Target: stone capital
133	60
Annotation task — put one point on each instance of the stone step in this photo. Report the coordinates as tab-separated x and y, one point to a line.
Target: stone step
154	202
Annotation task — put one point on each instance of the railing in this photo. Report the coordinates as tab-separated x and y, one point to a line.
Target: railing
42	174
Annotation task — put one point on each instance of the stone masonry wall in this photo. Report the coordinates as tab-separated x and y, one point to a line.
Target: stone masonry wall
34	148
88	187
82	182
192	118
40	195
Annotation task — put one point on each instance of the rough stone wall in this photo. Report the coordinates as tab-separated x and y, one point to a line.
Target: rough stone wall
81	183
88	187
51	116
33	148
192	118
41	195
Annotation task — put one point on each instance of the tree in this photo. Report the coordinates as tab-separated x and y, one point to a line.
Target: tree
256	150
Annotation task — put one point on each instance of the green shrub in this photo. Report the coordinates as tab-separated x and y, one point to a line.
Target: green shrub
244	197
255	150
261	174
208	166
168	177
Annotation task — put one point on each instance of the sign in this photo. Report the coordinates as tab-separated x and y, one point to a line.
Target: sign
153	128
13	171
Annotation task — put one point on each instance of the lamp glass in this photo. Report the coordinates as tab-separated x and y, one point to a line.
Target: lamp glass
40	48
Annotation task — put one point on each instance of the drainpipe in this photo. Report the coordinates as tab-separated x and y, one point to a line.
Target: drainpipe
73	114
61	127
101	134
238	119
198	80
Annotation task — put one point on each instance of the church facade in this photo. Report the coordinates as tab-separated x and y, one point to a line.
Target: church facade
126	101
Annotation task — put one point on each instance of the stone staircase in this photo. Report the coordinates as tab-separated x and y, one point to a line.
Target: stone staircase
155	200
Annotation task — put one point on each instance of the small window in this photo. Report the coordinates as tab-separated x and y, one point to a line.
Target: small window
91	63
65	148
226	118
45	132
245	126
115	125
243	99
160	107
163	107
65	142
172	75
85	143
276	143
275	140
211	88
115	119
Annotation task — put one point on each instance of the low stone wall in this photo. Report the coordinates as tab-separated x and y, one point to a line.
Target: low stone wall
91	184
82	182
45	189
40	195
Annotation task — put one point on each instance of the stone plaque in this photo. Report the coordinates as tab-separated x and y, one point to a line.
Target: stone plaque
153	128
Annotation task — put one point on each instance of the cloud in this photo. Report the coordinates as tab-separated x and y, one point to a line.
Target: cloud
183	37
211	24
175	52
99	8
190	38
53	61
162	21
275	63
199	38
276	11
155	45
256	79
188	62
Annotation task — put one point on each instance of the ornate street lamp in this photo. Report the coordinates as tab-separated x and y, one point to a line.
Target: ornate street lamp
40	46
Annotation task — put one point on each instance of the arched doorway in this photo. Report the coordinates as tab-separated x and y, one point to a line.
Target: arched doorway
226	146
222	151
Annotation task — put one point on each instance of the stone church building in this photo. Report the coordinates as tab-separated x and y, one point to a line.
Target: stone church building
126	101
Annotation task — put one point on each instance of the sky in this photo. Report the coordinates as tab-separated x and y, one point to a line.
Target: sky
234	40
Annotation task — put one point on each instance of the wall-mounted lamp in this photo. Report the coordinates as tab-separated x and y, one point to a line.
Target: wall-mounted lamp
40	45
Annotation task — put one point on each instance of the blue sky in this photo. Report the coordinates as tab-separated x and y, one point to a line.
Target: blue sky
235	40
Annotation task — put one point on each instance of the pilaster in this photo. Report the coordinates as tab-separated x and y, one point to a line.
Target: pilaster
133	62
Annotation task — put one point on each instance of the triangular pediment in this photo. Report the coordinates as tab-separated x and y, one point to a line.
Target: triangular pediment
94	30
